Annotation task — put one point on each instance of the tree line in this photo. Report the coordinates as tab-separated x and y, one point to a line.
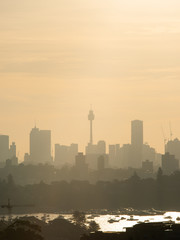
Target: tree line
160	193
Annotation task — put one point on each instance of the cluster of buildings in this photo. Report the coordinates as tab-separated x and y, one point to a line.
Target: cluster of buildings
133	155
7	151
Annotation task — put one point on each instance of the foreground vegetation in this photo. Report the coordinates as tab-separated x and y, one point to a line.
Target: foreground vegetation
30	228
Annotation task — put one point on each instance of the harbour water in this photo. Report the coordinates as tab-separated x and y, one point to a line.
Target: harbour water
109	222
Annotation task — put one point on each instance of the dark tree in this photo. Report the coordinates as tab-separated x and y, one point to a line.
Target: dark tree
79	218
93	226
21	230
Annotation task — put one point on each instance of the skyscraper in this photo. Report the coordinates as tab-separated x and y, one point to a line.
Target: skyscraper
4	148
7	153
40	146
169	163
173	147
136	143
12	150
137	132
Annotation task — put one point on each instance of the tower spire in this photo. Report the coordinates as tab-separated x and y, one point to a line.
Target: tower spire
91	118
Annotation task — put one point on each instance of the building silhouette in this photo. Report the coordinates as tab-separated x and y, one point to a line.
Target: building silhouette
65	154
91	118
132	155
114	155
173	147
93	151
137	143
40	146
148	153
169	163
4	148
147	166
125	155
100	163
12	150
81	167
6	152
137	132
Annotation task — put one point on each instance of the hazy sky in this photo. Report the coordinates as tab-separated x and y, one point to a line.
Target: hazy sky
59	56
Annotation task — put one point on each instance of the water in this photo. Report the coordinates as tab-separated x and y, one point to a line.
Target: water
131	221
120	224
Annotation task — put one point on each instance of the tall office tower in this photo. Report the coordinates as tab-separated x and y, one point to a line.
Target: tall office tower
101	147
148	153
91	118
169	163
100	163
173	147
12	154
137	132
136	143
125	154
114	155
73	151
81	167
40	146
12	150
4	148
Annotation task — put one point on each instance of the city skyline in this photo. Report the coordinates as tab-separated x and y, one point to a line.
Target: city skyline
59	57
90	119
162	136
136	128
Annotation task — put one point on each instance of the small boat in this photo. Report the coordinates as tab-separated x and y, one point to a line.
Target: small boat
168	217
112	220
146	221
132	218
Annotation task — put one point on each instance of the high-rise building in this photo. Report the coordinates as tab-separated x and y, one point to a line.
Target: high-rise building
169	163
93	151
148	153
101	147
12	154
137	132
125	153
4	148
147	166
12	150
65	154
136	143
81	167
100	163
7	153
173	147
40	146
114	155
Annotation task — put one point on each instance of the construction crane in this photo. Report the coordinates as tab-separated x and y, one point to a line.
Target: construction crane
9	207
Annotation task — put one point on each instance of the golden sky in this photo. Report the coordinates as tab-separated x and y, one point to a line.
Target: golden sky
59	56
